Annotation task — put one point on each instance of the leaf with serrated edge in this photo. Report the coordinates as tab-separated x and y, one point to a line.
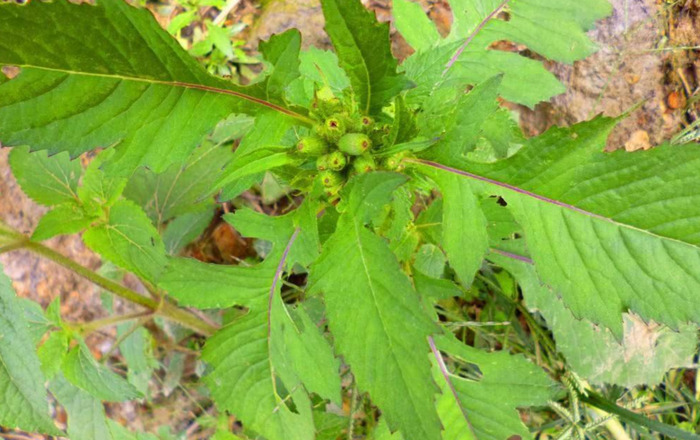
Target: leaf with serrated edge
364	52
127	83
22	394
387	348
596	231
49	180
81	369
86	414
129	240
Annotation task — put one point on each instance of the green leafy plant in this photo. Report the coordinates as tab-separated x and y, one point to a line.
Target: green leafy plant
412	190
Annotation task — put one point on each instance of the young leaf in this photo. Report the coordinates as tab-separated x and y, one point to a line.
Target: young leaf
364	51
129	240
52	352
139	90
67	218
596	230
502	384
86	414
137	351
81	369
99	190
49	180
22	394
386	348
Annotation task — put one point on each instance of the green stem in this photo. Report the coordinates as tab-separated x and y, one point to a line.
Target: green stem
92	326
162	308
600	402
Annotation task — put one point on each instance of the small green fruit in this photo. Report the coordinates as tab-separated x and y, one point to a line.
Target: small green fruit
323	162
330	179
364	164
312	146
366	123
354	144
337	161
332	129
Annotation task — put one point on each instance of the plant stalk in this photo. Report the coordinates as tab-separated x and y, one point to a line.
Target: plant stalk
162	308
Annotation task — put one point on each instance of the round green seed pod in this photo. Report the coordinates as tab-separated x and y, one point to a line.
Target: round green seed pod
323	162
354	144
330	179
364	164
337	161
312	146
333	128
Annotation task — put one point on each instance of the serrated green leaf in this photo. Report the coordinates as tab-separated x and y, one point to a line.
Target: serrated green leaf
129	240
52	352
139	90
461	212
557	33
67	218
502	384
278	229
434	288
49	180
99	190
601	229
311	356
642	357
282	51
253	165
81	369
207	286
321	67
37	322
387	348
364	52
414	25
247	357
182	188
22	394
137	349
184	229
86	414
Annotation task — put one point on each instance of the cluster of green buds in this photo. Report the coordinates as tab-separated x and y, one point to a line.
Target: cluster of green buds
343	144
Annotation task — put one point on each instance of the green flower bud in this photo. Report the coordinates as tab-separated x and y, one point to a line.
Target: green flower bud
354	144
393	162
312	145
366	123
323	162
332	129
330	179
364	164
337	161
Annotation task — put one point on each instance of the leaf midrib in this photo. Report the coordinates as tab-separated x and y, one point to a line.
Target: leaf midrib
180	84
548	200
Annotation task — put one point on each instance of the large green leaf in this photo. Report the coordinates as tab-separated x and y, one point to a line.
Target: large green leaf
113	76
283	52
387	347
555	31
608	231
645	353
364	52
22	395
